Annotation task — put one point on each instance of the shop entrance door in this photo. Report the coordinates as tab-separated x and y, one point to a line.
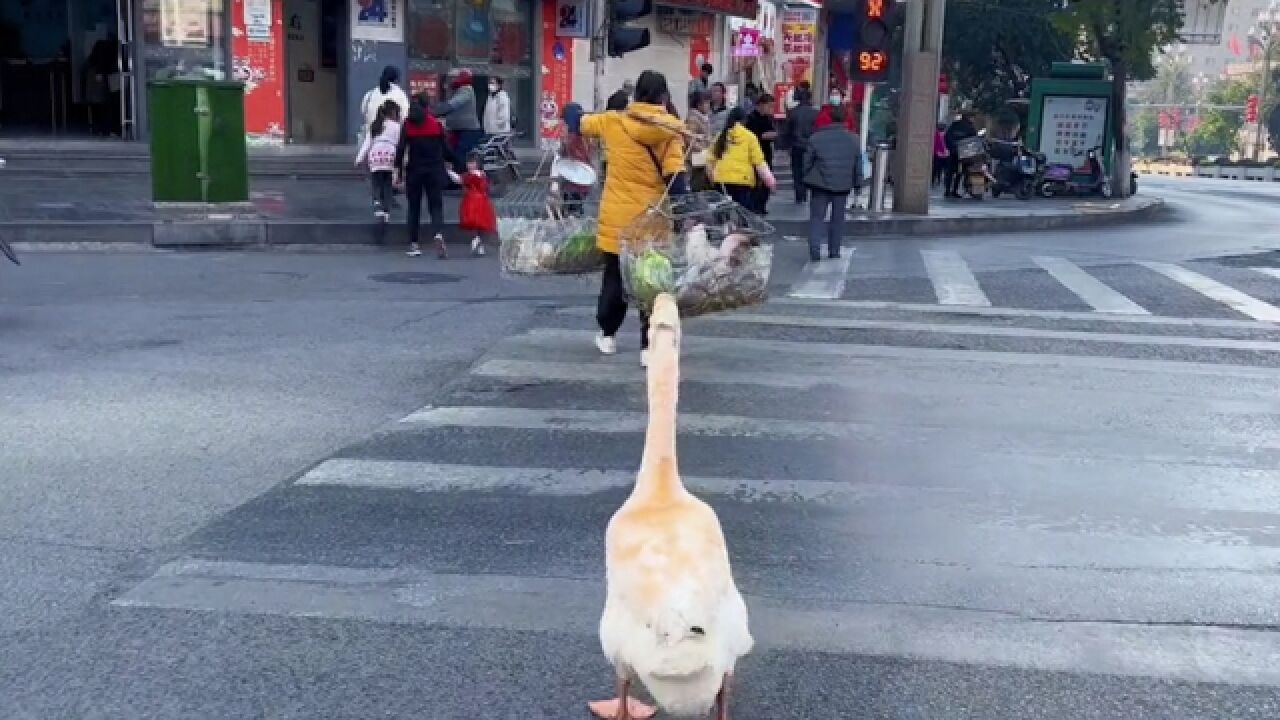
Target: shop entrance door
65	68
127	87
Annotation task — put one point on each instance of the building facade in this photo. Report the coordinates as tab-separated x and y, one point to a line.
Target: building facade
81	67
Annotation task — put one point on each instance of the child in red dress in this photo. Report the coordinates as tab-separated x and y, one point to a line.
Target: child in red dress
475	214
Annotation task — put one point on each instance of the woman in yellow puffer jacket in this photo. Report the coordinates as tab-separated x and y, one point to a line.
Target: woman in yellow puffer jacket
644	148
738	162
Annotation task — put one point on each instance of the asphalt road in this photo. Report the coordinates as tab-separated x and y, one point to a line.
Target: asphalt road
998	478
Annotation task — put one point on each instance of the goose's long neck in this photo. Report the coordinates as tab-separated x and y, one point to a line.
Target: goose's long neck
659	474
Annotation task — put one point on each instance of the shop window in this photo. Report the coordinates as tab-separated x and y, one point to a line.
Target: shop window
184	39
491	37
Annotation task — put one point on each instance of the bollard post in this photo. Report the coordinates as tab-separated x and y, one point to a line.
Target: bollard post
879	178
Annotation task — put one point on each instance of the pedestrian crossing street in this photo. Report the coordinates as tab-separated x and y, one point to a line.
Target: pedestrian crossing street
982	487
1173	289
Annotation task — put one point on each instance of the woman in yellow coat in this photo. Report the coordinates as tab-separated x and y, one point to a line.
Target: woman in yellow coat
644	149
738	162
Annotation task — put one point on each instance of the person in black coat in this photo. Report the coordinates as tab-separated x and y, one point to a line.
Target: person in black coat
960	129
422	164
800	121
760	122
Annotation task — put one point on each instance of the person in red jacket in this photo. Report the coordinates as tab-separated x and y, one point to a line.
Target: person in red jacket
835	99
422	163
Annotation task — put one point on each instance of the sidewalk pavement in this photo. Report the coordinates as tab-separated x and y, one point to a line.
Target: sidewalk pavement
328	210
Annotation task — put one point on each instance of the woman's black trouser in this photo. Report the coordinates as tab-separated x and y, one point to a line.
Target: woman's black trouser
416	185
611	308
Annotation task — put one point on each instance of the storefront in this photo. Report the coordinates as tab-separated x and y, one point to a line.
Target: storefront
493	38
78	68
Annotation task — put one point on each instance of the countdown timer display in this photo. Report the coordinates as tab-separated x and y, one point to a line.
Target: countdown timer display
871	56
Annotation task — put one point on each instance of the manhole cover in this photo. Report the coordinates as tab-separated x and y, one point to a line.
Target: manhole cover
415	278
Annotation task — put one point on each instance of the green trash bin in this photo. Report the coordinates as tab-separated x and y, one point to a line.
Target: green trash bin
198	151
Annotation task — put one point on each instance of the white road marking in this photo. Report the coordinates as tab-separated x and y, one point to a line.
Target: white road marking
1269	272
572	605
1001	331
1214	290
844	323
823	280
855	351
1094	292
430	477
1008	312
612	421
952	280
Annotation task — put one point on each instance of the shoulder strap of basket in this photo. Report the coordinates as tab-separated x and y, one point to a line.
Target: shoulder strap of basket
657	165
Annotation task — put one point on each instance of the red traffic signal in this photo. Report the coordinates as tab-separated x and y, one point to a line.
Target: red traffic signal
871	49
1251	109
622	39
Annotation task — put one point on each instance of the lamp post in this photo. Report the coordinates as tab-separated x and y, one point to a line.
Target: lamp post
1265	34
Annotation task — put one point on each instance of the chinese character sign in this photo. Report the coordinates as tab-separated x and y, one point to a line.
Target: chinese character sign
747	43
1072	125
799	30
556	89
257	41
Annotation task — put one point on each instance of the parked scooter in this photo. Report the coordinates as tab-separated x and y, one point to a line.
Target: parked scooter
1059	178
1016	169
972	152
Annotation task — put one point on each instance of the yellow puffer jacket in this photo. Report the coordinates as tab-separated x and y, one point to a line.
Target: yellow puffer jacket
742	153
632	181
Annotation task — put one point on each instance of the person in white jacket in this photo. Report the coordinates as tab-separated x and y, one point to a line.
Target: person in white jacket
387	89
497	109
379	151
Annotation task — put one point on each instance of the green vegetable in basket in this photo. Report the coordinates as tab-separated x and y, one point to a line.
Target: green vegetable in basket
579	248
651	275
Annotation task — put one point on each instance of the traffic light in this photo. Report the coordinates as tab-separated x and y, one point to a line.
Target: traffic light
1251	109
871	50
623	39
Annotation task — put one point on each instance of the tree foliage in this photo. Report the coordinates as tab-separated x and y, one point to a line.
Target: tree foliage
1146	132
993	48
1219	130
1127	34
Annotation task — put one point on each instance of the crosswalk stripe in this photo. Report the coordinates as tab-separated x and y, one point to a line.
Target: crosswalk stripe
572	605
823	280
952	281
612	421
1269	272
1011	312
1096	294
1178	445
1002	331
430	477
809	375
855	351
1214	290
906	326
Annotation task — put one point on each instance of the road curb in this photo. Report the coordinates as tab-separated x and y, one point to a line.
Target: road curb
246	232
1145	209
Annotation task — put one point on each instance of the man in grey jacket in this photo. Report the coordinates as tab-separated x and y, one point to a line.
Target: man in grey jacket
830	167
460	117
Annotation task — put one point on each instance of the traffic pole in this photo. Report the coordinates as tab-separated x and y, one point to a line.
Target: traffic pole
917	122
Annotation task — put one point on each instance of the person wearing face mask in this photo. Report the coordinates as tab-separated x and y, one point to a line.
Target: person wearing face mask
497	109
834	100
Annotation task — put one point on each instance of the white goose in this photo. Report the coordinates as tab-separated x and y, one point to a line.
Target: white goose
673	617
